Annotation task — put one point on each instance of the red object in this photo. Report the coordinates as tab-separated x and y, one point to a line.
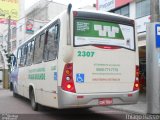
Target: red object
120	3
97	5
142	79
105	101
136	83
80	97
68	85
5	21
142	82
75	13
107	47
130	95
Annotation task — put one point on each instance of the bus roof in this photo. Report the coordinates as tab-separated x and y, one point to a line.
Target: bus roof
102	12
119	17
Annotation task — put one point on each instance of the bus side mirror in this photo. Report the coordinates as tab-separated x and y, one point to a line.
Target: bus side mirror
67	54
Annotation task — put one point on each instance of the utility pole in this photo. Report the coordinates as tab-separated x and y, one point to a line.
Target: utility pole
155	17
153	60
6	69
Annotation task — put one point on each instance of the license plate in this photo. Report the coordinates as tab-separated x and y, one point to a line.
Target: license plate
105	101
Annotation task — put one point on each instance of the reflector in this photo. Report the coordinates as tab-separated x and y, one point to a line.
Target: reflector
75	13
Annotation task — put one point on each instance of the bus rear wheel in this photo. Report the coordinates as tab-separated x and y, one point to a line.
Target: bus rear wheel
15	94
34	105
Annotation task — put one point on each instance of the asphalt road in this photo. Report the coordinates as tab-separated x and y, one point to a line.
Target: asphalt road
20	109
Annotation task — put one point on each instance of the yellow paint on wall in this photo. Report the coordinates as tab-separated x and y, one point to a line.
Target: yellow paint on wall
9	8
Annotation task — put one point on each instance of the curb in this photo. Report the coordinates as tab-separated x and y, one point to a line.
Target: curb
129	110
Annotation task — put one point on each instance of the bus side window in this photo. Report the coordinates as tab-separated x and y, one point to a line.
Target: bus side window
29	54
39	46
19	56
13	62
51	46
23	56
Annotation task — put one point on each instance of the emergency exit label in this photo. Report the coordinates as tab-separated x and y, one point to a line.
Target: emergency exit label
158	36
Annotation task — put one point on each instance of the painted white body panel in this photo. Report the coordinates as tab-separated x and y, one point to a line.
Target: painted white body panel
44	89
105	80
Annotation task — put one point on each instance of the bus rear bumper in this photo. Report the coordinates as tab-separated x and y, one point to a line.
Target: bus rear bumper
74	100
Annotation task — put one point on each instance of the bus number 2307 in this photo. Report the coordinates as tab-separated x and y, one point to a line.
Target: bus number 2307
85	54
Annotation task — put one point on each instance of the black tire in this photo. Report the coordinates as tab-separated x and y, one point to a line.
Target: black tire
34	105
15	94
11	87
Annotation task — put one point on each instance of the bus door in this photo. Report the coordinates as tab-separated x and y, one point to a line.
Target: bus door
22	55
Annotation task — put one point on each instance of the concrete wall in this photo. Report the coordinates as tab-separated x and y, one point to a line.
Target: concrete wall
55	9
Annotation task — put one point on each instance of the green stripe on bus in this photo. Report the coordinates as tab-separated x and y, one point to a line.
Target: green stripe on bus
40	76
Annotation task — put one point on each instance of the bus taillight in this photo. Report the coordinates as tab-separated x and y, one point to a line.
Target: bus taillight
68	72
136	83
67	80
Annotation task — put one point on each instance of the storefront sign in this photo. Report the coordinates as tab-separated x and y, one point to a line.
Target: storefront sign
29	26
107	5
141	23
157	35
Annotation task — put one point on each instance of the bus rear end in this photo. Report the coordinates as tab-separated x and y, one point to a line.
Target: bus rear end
104	67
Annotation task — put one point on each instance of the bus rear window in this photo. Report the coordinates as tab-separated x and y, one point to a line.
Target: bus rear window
92	32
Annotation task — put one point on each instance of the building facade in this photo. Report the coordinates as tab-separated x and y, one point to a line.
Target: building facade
18	5
15	12
36	17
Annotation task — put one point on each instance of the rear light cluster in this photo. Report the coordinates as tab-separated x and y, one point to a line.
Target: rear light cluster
136	83
67	80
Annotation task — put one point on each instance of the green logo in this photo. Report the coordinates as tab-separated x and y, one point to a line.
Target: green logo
109	31
98	29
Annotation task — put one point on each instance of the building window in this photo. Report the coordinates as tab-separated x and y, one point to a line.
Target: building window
30	53
142	8
23	56
122	11
19	56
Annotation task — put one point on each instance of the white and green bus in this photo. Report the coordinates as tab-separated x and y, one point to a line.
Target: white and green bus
80	59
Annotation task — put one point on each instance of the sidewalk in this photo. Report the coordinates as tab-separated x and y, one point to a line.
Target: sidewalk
139	108
1	85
